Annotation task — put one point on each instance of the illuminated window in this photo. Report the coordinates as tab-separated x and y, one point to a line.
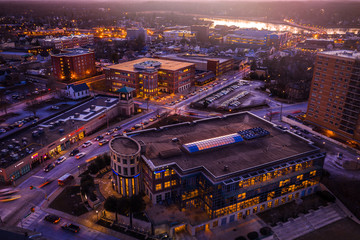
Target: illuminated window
173	182
166	173
283	200
158	187
242	196
255	209
172	171
167	184
269	205
313	173
283	183
157	175
276	202
300	177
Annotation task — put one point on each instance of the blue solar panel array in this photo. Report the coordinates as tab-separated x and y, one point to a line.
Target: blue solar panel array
213	142
253	133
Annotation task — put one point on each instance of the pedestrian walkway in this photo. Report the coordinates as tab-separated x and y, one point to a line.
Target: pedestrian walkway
34	216
309	222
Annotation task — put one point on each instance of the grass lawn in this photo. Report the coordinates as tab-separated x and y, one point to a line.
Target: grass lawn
345	229
69	201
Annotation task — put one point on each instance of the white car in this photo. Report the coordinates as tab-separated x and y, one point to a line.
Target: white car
86	144
79	155
60	160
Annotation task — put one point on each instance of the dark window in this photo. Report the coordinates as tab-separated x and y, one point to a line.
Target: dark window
124	161
125	171
132	171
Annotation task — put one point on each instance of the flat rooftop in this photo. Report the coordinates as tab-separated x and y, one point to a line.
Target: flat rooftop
342	53
73	52
194	58
64	121
163	149
165	65
124	146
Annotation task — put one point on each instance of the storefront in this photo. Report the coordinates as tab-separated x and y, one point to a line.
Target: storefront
65	142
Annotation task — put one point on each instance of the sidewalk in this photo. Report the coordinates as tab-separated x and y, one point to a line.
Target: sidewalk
88	219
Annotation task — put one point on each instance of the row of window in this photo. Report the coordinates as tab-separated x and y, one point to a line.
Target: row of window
166	185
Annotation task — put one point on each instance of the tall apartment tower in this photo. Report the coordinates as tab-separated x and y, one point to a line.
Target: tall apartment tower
334	103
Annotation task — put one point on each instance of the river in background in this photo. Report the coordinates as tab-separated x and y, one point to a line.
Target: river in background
273	26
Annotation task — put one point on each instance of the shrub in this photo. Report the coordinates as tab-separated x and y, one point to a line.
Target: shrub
266	231
252	235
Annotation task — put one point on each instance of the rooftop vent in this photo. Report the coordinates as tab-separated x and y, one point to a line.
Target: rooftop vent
226	168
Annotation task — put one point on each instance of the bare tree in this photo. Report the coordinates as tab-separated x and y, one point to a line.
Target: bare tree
32	105
3	102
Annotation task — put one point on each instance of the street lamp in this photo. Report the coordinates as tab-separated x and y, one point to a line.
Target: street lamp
79	169
97	215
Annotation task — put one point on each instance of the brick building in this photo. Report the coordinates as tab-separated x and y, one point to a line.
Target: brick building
150	76
73	64
334	103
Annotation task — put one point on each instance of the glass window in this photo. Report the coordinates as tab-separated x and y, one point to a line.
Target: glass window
158	187
124	161
125	171
132	171
157	175
167	184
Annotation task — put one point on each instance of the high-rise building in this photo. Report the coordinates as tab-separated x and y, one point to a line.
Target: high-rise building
334	103
73	64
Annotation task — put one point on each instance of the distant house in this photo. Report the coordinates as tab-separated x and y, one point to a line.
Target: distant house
77	91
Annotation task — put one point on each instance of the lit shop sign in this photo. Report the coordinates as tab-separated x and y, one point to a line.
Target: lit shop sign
34	156
19	164
76	131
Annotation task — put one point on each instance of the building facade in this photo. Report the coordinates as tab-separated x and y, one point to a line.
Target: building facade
73	64
229	167
125	161
334	103
77	91
150	76
64	42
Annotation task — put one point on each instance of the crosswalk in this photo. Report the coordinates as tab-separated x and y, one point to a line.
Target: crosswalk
35	216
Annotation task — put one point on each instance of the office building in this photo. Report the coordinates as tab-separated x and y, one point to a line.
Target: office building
227	167
150	76
202	62
73	64
334	103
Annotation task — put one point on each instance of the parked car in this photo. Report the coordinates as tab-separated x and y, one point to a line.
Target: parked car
86	144
71	227
74	152
79	155
52	218
49	167
60	159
